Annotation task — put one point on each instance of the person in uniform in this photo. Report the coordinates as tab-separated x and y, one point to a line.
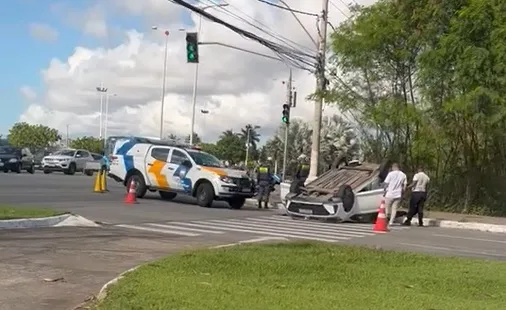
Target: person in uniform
264	181
301	174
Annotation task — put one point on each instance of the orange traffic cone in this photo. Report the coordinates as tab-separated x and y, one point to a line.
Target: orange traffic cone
381	225
131	197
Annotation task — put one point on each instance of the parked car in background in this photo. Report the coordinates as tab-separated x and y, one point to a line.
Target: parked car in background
95	165
16	159
68	161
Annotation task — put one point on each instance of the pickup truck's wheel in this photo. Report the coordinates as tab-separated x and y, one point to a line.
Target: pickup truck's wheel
236	202
167	195
71	170
141	184
205	195
31	169
46	171
17	169
347	196
88	172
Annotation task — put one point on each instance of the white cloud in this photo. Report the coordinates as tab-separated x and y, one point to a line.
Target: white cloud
43	32
237	88
28	93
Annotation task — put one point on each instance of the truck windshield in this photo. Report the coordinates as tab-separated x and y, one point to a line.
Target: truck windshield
205	159
9	150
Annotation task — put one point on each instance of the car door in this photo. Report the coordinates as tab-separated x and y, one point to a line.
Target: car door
157	168
179	164
81	158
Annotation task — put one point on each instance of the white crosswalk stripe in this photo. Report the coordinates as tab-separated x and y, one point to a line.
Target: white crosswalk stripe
274	225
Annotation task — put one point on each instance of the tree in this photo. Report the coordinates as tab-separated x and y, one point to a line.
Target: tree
230	147
91	144
3	141
424	82
196	139
174	137
250	131
34	137
210	148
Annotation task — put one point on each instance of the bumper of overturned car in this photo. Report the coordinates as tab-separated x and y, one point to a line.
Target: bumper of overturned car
327	210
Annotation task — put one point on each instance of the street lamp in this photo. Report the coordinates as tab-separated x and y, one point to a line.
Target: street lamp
196	77
102	90
248	138
106	118
166	33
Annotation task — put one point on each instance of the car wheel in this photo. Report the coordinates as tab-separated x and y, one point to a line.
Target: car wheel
31	170
18	168
205	195
88	172
236	203
6	170
167	195
141	184
47	171
71	170
347	196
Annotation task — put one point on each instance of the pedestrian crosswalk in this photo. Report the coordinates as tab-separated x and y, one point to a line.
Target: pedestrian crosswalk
273	225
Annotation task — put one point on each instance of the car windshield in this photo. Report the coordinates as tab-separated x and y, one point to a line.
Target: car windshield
205	159
9	150
65	153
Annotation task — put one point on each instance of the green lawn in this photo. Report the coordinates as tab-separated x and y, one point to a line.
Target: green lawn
10	213
309	276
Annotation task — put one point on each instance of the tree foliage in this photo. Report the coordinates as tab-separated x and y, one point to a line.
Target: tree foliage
425	83
92	144
34	137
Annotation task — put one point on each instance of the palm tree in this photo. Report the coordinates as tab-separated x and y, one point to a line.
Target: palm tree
227	133
251	132
339	140
173	137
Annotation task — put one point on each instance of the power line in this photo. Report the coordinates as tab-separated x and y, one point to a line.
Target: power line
288	9
292	56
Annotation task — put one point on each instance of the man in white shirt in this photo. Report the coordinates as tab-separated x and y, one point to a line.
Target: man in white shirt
395	185
418	197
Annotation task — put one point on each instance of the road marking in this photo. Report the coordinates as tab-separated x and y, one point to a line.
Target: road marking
469	238
453	250
163	231
272	225
186	228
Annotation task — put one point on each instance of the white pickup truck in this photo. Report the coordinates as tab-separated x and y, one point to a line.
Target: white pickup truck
173	168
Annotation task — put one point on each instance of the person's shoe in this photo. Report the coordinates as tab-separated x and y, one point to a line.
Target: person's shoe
420	224
266	205
259	205
406	223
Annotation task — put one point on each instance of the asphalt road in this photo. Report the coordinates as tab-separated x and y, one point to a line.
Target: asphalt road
75	194
86	258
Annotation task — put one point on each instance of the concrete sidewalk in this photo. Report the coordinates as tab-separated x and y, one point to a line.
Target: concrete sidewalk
463	221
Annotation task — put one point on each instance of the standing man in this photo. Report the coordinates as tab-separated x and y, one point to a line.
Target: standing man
395	185
301	174
420	185
264	181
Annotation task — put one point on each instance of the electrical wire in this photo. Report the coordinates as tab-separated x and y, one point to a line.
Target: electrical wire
294	57
264	28
287	9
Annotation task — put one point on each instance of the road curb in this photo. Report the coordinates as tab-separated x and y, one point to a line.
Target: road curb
462	225
103	291
53	221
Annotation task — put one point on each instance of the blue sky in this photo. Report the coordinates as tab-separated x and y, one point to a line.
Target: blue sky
24	57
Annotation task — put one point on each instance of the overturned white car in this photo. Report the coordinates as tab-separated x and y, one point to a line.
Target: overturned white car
349	193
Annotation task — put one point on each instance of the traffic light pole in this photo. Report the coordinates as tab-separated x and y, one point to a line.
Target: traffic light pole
320	88
287	125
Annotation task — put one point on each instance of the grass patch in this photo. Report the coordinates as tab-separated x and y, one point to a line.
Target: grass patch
309	276
12	213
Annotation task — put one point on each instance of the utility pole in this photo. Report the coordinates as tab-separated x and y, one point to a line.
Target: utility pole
320	88
287	127
67	138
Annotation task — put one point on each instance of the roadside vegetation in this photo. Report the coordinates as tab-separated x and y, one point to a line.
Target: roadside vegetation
309	276
8	212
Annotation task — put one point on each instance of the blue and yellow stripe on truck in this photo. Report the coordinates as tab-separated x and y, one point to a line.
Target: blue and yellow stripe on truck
156	169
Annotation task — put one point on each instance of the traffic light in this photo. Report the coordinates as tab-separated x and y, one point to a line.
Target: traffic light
286	114
192	47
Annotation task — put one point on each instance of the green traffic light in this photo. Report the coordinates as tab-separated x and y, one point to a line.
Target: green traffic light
284	119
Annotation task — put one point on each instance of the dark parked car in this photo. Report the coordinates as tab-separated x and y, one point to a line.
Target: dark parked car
16	159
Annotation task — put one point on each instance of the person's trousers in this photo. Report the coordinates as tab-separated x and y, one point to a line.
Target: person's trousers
391	206
296	185
416	204
264	191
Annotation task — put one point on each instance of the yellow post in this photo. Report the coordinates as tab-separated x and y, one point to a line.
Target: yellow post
98	183
103	181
